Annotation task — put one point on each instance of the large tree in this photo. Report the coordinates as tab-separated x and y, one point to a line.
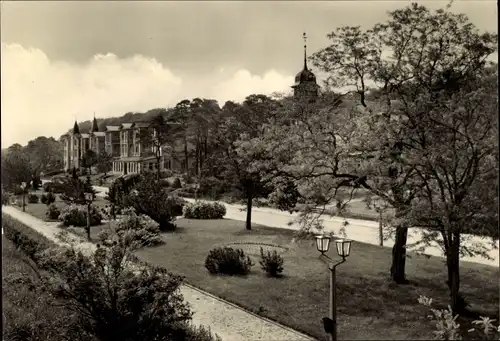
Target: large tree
16	167
104	162
409	61
457	160
245	121
44	153
89	160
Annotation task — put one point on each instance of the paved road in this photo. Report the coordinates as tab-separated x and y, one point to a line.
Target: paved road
230	322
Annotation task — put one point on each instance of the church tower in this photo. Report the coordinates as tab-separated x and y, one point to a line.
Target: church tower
305	86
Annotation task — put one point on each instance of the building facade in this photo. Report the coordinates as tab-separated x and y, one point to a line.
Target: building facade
122	143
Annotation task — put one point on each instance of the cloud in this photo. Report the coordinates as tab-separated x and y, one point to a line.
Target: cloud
41	96
243	83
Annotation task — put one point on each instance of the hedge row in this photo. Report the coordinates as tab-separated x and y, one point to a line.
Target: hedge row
24	237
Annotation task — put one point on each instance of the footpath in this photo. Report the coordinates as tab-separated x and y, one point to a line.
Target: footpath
230	322
365	231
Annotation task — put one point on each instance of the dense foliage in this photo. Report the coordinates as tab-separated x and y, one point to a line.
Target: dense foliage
53	212
76	215
135	230
228	261
158	203
204	210
110	299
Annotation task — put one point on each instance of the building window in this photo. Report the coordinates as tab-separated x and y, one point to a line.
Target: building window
168	164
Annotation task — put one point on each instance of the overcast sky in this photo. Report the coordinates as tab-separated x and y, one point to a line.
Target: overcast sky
65	60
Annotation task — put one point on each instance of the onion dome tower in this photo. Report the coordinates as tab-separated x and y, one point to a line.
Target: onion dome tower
305	86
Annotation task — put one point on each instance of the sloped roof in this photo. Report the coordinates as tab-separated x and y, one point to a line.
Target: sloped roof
100	134
112	128
127	125
85	136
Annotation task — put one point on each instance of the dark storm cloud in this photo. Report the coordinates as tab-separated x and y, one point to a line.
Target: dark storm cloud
199	36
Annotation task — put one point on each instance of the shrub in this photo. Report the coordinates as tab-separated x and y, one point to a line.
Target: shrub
53	212
54	187
204	210
271	263
140	230
76	215
229	261
32	198
126	304
158	203
48	198
176	183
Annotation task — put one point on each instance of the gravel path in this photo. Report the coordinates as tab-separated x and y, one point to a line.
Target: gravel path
230	322
365	231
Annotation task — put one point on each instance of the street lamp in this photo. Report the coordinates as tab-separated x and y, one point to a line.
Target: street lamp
343	247
89	197
23	186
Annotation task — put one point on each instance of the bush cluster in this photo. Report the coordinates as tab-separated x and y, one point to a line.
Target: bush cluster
132	317
32	198
23	237
229	261
204	210
140	230
76	215
271	263
53	212
54	187
48	198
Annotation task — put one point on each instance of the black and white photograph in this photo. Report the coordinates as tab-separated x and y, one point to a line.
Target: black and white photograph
249	170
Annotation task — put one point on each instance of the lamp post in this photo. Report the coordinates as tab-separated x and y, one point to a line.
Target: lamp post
23	186
343	247
88	198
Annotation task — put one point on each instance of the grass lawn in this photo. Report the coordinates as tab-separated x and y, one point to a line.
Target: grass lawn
369	306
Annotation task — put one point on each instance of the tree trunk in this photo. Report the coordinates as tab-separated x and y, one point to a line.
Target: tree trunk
248	222
197	153
453	265
186	156
399	255
158	169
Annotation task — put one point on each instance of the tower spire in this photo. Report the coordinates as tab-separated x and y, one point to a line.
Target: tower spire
305	50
